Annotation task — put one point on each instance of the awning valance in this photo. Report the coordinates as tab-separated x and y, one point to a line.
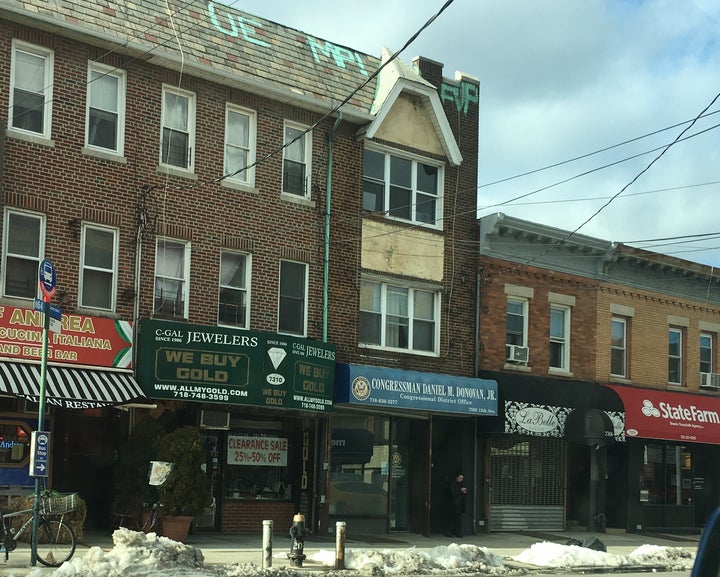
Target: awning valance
670	416
70	387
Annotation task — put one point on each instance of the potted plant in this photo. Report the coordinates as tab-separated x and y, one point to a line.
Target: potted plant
186	491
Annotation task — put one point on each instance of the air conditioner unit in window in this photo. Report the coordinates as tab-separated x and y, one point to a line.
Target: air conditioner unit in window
214	420
517	354
710	380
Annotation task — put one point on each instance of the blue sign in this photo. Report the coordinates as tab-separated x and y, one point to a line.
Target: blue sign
388	389
48	278
55	310
39	453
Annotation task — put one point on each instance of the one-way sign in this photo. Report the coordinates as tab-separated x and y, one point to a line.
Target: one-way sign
39	453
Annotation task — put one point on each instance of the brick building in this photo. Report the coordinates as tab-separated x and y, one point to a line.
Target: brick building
232	207
606	360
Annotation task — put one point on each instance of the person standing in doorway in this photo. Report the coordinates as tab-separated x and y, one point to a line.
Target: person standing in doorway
457	495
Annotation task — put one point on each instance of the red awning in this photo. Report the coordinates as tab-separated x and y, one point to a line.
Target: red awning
653	414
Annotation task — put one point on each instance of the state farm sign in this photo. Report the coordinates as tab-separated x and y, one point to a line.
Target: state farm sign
653	414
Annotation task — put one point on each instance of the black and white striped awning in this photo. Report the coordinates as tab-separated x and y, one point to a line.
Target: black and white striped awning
69	387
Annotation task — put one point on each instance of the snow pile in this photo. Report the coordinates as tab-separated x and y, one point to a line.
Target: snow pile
459	558
135	554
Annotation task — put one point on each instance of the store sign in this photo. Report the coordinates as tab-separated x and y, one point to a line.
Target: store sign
395	389
221	365
258	451
84	340
653	414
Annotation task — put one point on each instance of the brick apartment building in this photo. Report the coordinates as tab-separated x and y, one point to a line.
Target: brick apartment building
606	362
256	231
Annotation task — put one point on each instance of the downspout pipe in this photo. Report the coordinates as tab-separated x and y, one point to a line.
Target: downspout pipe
328	203
323	468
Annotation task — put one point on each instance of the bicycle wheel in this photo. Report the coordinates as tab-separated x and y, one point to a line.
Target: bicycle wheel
55	543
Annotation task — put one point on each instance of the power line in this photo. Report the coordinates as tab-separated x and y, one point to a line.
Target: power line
582	156
632	181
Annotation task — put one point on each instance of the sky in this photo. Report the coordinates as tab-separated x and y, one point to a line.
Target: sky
136	554
560	80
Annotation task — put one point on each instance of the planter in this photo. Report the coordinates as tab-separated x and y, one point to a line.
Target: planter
176	528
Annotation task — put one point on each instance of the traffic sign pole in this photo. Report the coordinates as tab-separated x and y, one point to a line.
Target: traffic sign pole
48	286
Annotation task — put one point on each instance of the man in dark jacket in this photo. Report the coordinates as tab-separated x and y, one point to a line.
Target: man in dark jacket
457	495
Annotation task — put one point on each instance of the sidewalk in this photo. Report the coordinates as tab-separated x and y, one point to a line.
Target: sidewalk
230	549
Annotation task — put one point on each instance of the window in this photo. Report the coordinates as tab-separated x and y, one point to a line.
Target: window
178	128
618	347
559	337
240	145
706	353
234	274
402	188
172	270
98	267
667	475
398	317
296	160
14	443
23	251
292	309
105	108
31	81
675	345
516	322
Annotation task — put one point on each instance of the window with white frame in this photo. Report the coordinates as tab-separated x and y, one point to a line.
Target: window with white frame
618	347
105	108
560	337
240	126
706	353
516	322
297	153
675	356
233	306
31	89
292	304
98	267
22	252
172	278
402	187
399	317
178	128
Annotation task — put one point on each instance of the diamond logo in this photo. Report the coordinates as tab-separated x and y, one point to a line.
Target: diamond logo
277	355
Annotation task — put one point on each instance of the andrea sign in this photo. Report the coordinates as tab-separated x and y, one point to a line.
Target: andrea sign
84	340
221	365
653	414
396	389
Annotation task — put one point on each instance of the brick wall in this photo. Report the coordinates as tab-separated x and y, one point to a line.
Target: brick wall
248	516
494	275
647	332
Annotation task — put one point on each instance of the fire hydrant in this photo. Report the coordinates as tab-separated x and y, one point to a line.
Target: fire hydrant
297	540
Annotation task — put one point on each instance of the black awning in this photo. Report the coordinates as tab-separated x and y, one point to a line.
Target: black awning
70	387
581	411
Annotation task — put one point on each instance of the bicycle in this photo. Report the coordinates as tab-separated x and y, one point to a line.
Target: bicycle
56	540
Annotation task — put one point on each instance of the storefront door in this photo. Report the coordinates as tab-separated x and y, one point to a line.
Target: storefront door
399	467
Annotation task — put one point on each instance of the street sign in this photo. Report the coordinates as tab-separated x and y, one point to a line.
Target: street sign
55	310
48	279
39	453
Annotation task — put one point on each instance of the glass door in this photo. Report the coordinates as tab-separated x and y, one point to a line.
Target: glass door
398	472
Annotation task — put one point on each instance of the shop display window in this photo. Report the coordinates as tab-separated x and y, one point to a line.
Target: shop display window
14	443
359	466
257	467
667	475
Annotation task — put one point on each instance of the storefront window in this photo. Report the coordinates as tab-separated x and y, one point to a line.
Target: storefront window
14	443
667	475
359	469
257	467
